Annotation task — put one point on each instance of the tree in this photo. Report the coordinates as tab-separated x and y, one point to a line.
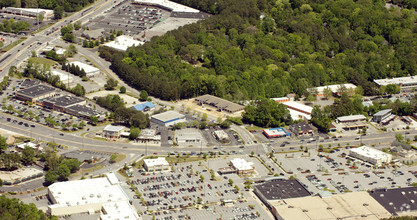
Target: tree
203	125
143	95
122	89
204	117
392	89
77	25
231	182
50	177
134	133
28	155
63	172
111	84
58	12
399	137
78	90
16	209
3	144
69	37
113	158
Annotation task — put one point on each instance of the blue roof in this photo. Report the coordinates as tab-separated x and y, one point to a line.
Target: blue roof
141	107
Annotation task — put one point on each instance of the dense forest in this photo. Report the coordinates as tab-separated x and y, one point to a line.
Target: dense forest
15	209
65	5
268	48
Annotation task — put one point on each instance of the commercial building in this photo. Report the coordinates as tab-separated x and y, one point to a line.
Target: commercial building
61	103
355	205
103	195
111	131
149	136
370	155
302	128
156	165
399	201
335	90
144	107
298	111
188	137
352	121
220	104
277	188
383	117
83	111
63	77
168	118
221	135
30	12
123	42
27	83
407	83
167	5
89	70
276	132
20	175
35	93
242	166
34	146
282	99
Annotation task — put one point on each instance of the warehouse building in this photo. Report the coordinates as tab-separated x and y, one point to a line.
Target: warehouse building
35	93
103	195
336	90
298	111
354	205
407	83
242	166
61	103
27	83
352	122
220	104
168	5
383	117
89	70
156	165
370	155
63	77
169	118
276	132
282	99
123	42
111	131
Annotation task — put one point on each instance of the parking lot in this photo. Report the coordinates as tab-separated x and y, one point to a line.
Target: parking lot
132	19
338	173
190	191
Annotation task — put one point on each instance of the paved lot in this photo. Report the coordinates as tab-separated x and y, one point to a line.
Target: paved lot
175	194
333	172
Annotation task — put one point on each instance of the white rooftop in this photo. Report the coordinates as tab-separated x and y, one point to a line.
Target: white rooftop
112	178
404	81
64	77
221	134
29	144
113	128
351	117
299	106
123	42
87	191
87	68
175	7
34	10
167	116
118	210
281	99
242	164
335	88
156	162
370	152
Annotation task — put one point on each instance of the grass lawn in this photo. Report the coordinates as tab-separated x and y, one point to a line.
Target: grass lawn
43	61
255	128
84	171
119	158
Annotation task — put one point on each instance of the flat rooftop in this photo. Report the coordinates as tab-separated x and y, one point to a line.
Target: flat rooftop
281	189
404	81
36	91
370	152
175	7
351	118
335	88
341	206
168	116
298	106
64	101
83	110
383	112
156	162
113	128
396	201
123	42
87	68
29	83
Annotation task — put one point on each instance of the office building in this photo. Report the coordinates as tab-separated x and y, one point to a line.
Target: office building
370	155
156	165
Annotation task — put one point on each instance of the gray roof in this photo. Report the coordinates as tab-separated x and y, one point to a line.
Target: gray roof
64	101
396	200
36	91
29	83
282	189
167	116
219	103
383	112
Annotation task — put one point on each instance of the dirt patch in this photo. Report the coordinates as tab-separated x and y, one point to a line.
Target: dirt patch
129	100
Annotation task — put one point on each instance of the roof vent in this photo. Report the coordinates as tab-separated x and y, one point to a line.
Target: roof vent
412	201
402	193
381	195
390	203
